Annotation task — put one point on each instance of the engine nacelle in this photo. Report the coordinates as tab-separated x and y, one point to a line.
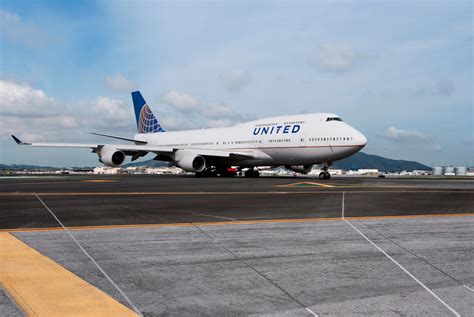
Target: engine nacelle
303	169
190	162
110	156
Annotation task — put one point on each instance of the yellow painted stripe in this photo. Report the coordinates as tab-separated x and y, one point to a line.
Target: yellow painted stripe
97	181
41	287
236	222
320	184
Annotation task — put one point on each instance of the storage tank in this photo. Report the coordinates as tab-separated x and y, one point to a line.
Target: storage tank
461	171
449	170
437	171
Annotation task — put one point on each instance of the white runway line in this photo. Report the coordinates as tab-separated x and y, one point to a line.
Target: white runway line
405	270
92	259
399	265
343	200
472	290
311	312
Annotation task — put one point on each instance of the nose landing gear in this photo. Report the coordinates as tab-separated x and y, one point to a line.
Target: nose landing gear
325	173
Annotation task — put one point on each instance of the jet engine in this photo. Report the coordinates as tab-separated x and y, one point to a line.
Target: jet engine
190	162
111	156
303	169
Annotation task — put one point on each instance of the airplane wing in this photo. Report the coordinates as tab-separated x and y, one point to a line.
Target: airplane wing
132	149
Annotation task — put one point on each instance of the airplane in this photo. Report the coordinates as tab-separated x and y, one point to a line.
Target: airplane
296	141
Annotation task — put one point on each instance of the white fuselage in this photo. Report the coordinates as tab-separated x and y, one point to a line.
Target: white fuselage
286	140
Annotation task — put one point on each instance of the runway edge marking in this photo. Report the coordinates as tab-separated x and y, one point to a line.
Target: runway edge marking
236	222
42	287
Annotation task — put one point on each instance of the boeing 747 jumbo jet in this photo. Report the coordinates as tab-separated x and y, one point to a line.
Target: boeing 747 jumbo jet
296	142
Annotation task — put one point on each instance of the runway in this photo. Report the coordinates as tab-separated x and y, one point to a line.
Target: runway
124	200
269	246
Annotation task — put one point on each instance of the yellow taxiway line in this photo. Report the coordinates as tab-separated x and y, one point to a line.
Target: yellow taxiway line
41	287
234	222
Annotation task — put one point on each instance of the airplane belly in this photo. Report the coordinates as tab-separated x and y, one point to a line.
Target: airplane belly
297	156
310	155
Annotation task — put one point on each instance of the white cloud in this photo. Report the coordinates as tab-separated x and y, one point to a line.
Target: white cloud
334	57
118	83
109	113
219	110
13	29
32	114
220	123
236	79
411	139
204	114
181	101
22	100
404	136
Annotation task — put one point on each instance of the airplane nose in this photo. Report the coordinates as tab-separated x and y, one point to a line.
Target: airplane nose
360	138
363	140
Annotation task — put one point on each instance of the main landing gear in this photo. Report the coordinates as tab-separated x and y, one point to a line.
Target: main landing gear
251	172
222	171
225	171
325	173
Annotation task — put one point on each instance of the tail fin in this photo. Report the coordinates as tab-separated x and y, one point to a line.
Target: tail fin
146	120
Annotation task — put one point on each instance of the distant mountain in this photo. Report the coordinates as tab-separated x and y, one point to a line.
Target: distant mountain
354	162
37	167
362	160
25	167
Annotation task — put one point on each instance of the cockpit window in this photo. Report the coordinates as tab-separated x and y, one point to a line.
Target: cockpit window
333	119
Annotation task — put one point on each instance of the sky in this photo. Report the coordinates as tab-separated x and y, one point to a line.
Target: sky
401	72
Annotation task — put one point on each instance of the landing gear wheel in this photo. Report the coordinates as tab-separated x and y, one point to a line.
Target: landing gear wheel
324	175
252	173
208	172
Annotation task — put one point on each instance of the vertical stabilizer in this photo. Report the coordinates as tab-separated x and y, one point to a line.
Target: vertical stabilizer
146	120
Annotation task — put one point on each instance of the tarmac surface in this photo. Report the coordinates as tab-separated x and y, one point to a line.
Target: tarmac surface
125	200
185	246
8	306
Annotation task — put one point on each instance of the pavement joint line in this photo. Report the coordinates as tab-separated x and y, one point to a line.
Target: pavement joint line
92	259
404	269
236	222
235	256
